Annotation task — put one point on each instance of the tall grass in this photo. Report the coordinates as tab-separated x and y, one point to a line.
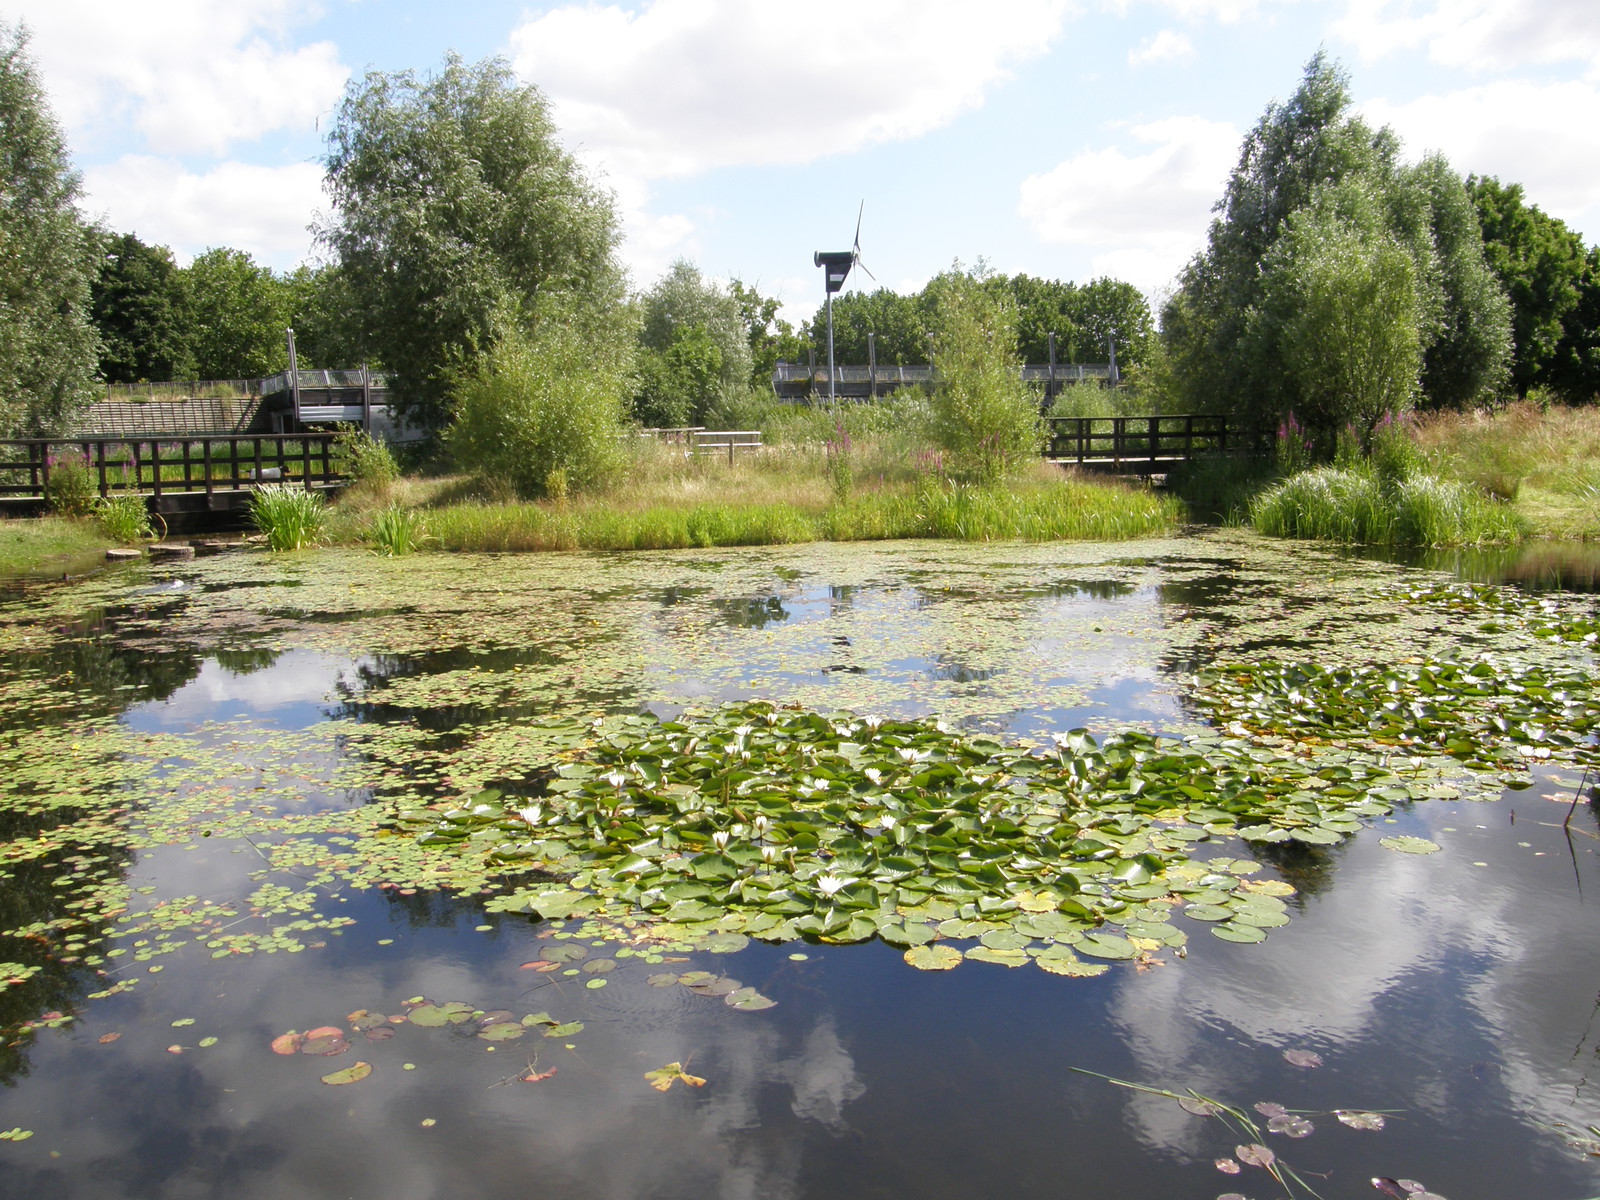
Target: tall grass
292	519
1060	509
1357	506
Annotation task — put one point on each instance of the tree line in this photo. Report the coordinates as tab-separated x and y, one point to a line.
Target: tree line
1337	281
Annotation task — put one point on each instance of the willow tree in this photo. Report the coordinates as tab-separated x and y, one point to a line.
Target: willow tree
48	258
455	209
1224	346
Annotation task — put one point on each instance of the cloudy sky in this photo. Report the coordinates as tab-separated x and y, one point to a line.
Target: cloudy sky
1064	138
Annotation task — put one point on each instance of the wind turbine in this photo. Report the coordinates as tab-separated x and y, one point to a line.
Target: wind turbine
836	266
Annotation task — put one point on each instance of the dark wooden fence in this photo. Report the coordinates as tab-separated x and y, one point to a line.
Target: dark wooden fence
168	465
1145	443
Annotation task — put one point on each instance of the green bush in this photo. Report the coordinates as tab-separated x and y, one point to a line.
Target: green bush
981	411
545	400
70	490
292	518
124	518
364	458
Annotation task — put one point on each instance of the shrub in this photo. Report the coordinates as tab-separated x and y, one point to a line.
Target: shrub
124	518
70	490
292	519
364	458
982	412
545	400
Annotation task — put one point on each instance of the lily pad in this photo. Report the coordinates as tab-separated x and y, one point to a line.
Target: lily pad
935	957
748	1000
1410	845
354	1073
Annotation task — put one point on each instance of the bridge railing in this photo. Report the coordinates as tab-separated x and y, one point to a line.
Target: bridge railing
1153	439
160	466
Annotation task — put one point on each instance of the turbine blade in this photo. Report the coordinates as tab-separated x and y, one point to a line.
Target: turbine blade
859	212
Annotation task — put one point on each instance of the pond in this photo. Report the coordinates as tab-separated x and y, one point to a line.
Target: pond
259	944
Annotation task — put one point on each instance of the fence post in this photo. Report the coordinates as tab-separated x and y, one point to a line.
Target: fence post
1155	438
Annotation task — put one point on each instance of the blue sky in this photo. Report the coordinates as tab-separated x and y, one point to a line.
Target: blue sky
1065	139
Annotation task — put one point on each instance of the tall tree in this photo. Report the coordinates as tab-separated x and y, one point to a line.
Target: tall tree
1223	348
454	206
1543	266
48	258
696	347
238	314
141	314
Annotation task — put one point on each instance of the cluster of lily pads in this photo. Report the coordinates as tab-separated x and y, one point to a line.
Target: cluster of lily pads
788	823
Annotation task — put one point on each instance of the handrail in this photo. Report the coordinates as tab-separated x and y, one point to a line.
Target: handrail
170	464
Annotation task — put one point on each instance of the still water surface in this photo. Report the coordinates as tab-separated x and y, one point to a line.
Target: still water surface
1458	992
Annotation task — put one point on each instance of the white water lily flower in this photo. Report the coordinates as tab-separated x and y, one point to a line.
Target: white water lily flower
830	885
532	814
873	774
769	854
761	825
721	838
616	778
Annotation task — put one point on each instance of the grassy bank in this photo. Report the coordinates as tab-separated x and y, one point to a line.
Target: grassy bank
45	546
1546	463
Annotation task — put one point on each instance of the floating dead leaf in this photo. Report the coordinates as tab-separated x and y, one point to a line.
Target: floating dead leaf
107	1038
1302	1058
663	1077
288	1043
1370	1121
1228	1167
539	1076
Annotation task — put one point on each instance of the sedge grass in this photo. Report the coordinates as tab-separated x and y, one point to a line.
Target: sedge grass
290	517
1356	506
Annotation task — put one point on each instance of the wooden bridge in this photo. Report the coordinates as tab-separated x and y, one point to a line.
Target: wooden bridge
201	474
1147	445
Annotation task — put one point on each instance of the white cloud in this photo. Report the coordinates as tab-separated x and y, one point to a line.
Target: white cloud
188	76
1166	45
687	85
1147	212
1482	34
1545	136
263	210
1195	12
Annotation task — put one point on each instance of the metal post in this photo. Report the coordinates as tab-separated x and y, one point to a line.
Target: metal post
830	349
294	378
366	399
1111	340
811	369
